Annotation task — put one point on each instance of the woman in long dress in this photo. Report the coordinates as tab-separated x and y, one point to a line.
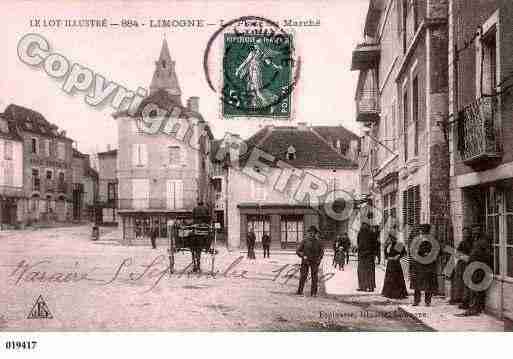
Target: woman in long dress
394	285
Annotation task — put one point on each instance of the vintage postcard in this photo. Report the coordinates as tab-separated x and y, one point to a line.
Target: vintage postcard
252	166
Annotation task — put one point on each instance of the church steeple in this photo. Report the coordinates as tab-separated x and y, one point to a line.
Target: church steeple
164	77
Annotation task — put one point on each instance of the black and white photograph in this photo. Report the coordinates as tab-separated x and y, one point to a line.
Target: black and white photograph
241	166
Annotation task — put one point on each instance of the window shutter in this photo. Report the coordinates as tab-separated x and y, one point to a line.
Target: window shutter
416	204
405	207
179	194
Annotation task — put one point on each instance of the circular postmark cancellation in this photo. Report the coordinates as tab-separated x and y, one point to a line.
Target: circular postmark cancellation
259	68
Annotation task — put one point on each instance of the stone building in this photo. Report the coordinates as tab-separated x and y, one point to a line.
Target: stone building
480	132
47	174
107	203
11	174
401	97
270	185
162	175
85	187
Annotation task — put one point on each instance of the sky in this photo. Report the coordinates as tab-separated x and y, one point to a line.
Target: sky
324	94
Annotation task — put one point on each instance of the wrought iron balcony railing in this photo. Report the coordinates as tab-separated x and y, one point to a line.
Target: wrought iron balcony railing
479	132
367	107
366	56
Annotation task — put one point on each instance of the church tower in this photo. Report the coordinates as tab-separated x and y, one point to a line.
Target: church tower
164	77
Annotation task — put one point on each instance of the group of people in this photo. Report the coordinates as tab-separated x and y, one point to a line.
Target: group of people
423	274
251	242
476	246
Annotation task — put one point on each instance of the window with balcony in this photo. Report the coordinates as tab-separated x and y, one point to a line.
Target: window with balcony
478	123
367	99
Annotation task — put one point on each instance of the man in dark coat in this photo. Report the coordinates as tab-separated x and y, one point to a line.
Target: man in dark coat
311	251
480	253
250	242
346	245
458	289
367	252
423	275
201	214
266	243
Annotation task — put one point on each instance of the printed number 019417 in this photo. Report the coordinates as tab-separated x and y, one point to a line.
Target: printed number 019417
20	345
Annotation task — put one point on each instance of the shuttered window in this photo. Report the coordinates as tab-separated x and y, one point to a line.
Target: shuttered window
139	155
174	194
411	206
415	104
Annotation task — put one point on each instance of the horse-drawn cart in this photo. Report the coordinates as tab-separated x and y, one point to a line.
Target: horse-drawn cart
194	238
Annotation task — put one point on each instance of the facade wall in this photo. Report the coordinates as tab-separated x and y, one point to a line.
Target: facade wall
106	173
157	168
242	189
51	201
469	186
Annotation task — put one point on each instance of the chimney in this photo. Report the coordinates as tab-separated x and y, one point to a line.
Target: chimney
302	126
108	147
193	103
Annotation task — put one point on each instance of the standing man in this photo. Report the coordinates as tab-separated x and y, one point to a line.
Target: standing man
201	214
311	251
458	288
367	253
480	253
266	244
423	275
250	241
346	245
154	233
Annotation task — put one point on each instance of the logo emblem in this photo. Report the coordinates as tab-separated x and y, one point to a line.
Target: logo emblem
40	310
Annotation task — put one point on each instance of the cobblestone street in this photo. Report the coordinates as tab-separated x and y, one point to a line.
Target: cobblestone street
90	286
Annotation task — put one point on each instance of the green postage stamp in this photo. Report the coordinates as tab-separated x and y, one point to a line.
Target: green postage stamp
257	75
